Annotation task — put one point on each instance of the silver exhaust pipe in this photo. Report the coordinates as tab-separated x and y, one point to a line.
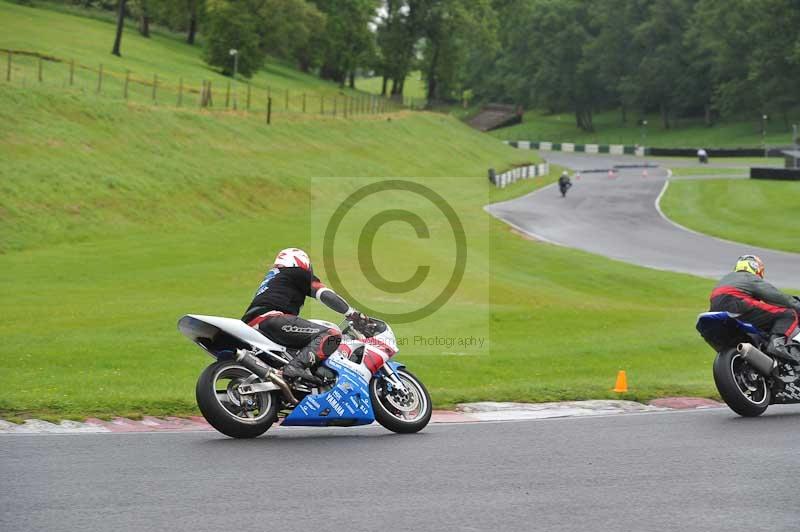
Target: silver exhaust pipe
255	365
756	358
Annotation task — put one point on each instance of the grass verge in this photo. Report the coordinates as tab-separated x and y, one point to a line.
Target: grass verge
756	212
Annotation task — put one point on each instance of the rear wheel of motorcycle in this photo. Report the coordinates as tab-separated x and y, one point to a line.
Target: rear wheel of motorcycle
742	388
402	413
235	415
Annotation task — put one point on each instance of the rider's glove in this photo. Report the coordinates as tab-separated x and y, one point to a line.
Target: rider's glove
358	319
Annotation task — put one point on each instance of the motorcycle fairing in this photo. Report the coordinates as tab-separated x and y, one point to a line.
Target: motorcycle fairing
721	330
222	336
346	404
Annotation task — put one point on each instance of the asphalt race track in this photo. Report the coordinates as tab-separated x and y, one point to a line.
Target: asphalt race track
704	470
617	217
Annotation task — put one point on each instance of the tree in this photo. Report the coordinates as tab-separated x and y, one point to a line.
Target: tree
397	34
230	26
452	31
663	66
192	8
120	24
290	30
142	11
349	43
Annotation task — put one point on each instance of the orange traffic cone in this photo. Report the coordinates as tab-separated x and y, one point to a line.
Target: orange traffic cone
622	382
644	173
577	176
611	174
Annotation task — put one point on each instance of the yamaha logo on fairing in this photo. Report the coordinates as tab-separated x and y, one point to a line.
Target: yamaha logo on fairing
296	329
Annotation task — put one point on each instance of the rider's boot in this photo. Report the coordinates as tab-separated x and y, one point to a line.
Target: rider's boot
784	348
319	349
300	366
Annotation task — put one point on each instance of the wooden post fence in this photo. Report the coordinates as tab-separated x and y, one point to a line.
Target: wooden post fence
269	110
286	103
8	67
125	87
100	79
304	102
335	99
155	86
228	95
180	91
40	70
71	72
248	96
322	104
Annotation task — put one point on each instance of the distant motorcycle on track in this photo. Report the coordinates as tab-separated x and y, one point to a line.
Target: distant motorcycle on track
748	379
243	392
564	184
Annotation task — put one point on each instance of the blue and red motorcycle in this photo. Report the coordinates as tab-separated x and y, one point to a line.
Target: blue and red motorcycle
747	378
242	394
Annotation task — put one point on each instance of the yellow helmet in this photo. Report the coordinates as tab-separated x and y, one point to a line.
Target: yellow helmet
750	263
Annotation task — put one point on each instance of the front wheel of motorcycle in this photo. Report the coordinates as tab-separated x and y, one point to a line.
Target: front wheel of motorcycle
742	388
402	411
226	409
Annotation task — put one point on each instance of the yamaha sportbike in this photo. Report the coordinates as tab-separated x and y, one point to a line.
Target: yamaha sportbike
243	392
747	378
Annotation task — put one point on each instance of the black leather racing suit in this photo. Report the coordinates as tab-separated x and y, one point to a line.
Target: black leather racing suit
274	312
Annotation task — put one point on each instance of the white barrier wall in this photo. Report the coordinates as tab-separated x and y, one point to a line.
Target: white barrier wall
568	146
521	172
616	149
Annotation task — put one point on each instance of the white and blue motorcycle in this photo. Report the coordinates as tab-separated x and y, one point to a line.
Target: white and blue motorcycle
243	394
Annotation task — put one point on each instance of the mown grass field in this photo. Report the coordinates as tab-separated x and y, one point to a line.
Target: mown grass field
685	133
757	212
111	233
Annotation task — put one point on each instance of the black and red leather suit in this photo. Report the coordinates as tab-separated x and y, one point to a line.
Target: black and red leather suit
275	308
756	301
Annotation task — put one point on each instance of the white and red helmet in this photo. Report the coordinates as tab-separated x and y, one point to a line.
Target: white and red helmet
293	258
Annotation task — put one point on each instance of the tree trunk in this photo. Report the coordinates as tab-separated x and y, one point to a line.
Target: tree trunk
395	85
665	115
708	119
120	21
402	86
624	111
144	24
589	120
352	79
192	21
383	86
431	94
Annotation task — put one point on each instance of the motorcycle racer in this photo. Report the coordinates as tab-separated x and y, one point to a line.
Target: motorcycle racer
275	308
744	292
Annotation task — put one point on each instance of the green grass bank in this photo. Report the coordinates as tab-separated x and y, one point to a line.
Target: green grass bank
757	212
112	228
